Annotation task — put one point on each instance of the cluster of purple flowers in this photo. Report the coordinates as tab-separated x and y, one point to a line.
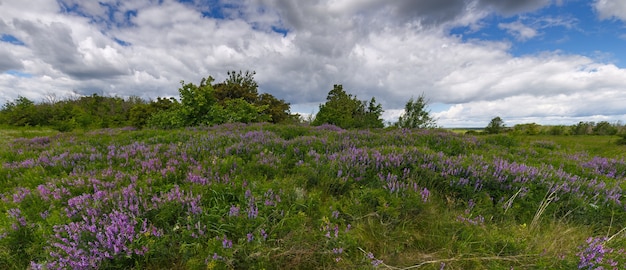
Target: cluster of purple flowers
375	262
596	255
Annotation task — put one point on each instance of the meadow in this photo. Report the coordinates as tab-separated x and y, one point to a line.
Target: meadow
264	196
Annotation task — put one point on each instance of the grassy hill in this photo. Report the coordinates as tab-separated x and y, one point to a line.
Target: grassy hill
298	197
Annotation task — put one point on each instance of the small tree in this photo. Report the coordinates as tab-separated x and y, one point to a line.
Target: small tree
237	85
276	109
196	102
415	115
604	128
346	111
373	115
495	126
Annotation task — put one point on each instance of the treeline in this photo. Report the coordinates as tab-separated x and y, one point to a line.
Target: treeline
85	112
582	128
346	111
234	100
237	100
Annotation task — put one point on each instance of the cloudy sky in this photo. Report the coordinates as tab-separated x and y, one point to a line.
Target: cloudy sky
543	61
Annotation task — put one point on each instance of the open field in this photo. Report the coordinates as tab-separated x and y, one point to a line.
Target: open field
10	133
297	197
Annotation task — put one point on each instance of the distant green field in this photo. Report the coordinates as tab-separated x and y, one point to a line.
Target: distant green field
297	197
593	144
7	133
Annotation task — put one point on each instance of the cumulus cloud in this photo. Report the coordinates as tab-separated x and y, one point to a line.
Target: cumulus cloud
520	31
390	50
7	60
509	7
611	9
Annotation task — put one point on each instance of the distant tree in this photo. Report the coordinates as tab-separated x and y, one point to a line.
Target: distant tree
140	113
339	109
197	102
20	112
276	109
604	128
557	130
416	115
495	126
373	114
237	85
583	128
239	111
527	129
168	119
346	111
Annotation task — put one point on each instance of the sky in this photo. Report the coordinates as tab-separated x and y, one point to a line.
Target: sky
544	61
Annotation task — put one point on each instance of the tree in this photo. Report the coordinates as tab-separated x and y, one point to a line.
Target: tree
583	128
21	112
495	126
239	111
373	115
196	102
527	129
415	115
604	128
237	85
276	109
346	111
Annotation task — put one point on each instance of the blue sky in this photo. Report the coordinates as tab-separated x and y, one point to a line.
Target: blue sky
573	27
543	61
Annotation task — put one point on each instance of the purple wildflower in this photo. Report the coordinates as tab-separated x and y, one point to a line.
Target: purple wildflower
226	243
234	211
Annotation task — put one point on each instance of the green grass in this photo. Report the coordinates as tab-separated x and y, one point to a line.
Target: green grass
8	133
595	145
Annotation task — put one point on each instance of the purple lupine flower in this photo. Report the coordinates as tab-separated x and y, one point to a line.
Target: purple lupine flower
375	262
425	194
234	211
20	194
36	266
16	213
253	211
594	253
250	237
226	243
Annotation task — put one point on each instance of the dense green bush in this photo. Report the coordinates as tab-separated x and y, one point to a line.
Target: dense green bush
346	111
234	100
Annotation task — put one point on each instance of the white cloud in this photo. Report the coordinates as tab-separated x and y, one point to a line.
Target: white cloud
520	31
390	50
611	9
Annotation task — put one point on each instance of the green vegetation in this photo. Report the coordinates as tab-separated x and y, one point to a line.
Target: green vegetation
495	126
416	115
236	100
263	196
346	111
